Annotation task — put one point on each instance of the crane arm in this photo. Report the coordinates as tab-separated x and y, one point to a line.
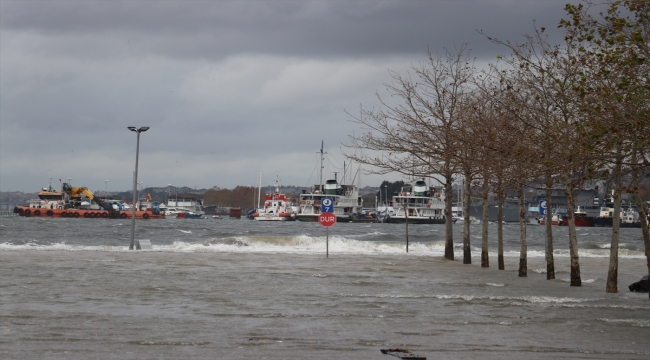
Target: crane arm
77	191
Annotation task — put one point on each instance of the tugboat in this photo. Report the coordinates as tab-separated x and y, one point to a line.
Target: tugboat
580	218
277	207
629	218
68	203
418	204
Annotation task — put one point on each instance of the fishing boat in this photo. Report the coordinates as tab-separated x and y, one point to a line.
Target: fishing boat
418	204
79	202
277	207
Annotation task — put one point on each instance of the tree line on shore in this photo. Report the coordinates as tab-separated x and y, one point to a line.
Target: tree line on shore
553	115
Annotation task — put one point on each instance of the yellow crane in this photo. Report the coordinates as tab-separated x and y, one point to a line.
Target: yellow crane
75	193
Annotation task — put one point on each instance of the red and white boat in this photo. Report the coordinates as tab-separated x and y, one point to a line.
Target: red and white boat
277	207
580	218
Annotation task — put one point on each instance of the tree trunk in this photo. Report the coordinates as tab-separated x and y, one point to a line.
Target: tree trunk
523	251
449	230
502	265
642	215
612	273
485	260
573	239
467	198
646	232
550	264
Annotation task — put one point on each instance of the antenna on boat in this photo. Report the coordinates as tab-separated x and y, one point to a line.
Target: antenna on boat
259	194
322	142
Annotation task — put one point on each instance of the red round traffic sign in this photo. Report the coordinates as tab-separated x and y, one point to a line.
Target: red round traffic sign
327	219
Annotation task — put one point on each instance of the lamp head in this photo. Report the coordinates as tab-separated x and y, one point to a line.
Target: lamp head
132	128
143	129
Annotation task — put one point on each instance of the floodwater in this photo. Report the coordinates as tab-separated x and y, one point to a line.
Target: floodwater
241	289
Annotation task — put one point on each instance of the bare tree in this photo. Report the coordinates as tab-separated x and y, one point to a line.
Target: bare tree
614	90
415	136
513	145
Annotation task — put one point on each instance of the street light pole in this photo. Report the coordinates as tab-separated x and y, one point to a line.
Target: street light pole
135	182
106	189
386	197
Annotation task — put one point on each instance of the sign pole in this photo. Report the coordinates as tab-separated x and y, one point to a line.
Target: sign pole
543	208
406	220
327	219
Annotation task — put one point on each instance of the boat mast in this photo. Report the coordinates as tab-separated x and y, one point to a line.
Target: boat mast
259	193
321	165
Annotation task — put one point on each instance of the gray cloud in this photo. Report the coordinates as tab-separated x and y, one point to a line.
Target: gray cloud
229	88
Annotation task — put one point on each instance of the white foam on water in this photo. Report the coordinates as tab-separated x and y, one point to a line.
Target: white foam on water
63	247
307	244
371	234
543	300
586	281
634	322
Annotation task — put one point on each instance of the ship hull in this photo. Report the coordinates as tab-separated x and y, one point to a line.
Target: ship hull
273	218
314	218
608	222
414	220
83	214
580	221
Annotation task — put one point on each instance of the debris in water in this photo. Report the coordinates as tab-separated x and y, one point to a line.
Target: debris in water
402	354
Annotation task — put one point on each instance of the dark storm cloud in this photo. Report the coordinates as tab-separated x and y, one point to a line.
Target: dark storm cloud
298	28
229	88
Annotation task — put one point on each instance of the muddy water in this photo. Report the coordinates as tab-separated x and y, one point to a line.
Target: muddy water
70	289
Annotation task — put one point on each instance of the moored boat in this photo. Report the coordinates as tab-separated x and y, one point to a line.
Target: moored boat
185	207
69	203
347	202
556	220
418	204
581	219
629	218
277	207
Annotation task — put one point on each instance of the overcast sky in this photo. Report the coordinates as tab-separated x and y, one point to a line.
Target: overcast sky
229	88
